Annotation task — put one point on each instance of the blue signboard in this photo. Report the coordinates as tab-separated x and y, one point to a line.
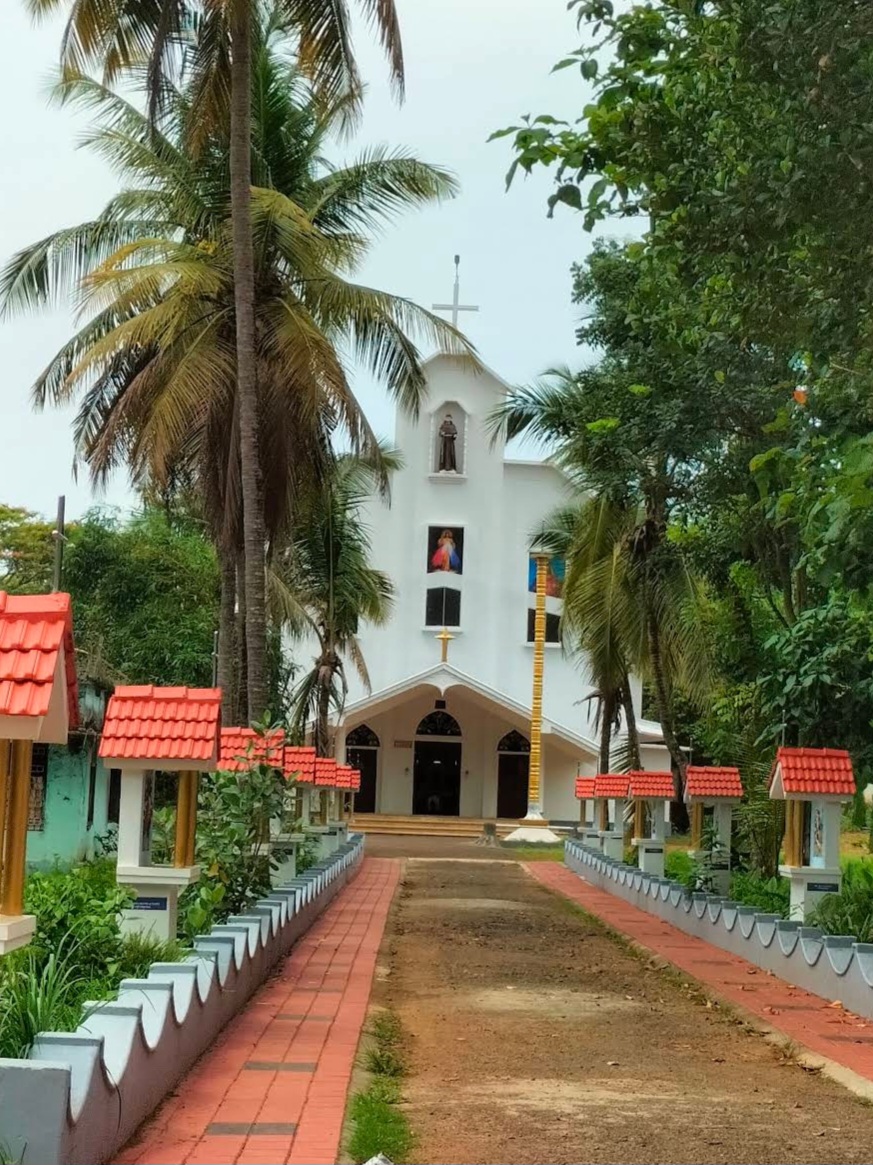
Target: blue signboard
150	904
822	887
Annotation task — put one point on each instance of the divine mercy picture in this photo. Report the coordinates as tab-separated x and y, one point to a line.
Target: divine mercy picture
554	577
445	550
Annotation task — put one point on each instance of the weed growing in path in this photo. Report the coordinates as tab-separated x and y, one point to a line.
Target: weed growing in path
379	1124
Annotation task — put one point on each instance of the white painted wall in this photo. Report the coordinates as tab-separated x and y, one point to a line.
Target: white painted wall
481	733
499	505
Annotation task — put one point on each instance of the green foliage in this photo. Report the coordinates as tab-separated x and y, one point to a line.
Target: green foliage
77	911
39	994
232	845
379	1125
768	895
850	911
145	598
681	867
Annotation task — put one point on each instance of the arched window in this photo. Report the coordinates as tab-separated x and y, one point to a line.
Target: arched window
438	723
362	737
514	742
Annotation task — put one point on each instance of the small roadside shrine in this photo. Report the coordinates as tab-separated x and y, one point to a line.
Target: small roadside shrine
814	783
39	702
587	811
710	793
651	792
150	729
612	788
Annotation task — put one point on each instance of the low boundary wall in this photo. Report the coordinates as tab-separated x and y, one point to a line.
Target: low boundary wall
82	1094
832	966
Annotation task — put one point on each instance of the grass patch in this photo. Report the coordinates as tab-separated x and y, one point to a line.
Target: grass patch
379	1125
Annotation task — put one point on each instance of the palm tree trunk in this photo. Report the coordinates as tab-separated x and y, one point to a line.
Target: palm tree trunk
254	540
227	635
630	720
242	691
322	712
665	712
607	713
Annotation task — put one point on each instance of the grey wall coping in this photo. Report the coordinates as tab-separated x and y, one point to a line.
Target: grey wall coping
833	966
82	1094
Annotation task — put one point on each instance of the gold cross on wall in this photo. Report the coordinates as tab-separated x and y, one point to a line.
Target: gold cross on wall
445	637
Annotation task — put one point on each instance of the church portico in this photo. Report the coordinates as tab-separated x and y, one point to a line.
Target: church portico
448	746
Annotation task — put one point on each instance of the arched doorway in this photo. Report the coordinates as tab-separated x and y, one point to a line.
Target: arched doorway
436	771
513	770
362	753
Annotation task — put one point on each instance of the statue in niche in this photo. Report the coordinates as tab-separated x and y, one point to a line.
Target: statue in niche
448	458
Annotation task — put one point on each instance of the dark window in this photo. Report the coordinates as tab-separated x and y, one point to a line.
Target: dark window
38	776
443	607
438	724
553	627
514	742
362	737
440	705
114	804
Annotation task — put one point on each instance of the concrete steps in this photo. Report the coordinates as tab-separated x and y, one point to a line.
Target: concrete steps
425	826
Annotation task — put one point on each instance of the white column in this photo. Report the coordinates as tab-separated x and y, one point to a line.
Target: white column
132	847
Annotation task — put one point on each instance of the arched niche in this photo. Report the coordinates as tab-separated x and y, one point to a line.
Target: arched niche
447	417
362	737
438	723
513	742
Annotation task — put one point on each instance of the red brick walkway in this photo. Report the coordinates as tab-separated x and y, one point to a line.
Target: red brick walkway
273	1087
814	1023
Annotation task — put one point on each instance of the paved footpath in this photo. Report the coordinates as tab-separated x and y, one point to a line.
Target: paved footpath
822	1027
272	1089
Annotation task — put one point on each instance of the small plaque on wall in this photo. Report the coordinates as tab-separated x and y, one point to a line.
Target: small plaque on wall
149	904
403	744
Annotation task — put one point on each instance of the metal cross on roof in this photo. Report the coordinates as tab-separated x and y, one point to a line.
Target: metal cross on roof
455	306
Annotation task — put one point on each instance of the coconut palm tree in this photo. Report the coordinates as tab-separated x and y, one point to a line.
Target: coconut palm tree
214	40
601	618
628	593
153	366
331	589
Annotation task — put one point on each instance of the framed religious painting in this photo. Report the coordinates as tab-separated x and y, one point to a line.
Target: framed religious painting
445	550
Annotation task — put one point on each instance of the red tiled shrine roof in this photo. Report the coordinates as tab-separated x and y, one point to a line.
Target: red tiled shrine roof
610	785
814	772
656	786
356	780
344	776
709	782
241	748
585	788
325	771
33	629
162	725
300	764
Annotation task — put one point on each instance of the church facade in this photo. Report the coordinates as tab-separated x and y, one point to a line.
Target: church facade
444	728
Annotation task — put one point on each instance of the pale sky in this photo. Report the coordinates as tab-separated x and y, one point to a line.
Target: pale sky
472	66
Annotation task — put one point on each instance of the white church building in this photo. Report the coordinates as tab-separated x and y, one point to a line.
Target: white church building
444	729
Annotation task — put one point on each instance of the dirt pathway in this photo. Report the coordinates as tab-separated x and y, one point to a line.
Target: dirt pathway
534	1037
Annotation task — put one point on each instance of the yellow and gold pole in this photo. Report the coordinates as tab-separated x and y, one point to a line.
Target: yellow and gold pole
534	808
193	788
183	818
5	789
639	818
15	841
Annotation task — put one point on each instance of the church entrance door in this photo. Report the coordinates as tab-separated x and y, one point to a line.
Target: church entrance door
436	778
366	761
512	777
